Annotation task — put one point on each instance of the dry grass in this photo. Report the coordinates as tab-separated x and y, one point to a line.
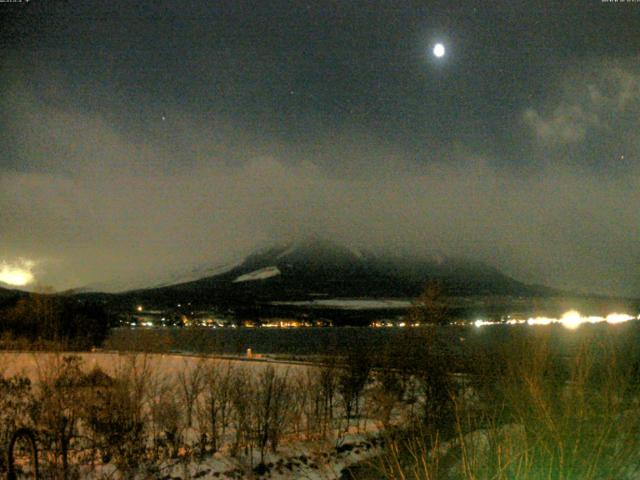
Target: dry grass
534	415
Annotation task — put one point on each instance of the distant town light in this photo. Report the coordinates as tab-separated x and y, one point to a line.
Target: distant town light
619	318
571	320
479	323
139	308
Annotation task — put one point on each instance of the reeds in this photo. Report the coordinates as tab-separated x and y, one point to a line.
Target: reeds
534	414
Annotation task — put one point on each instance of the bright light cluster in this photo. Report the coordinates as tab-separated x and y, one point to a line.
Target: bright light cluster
571	320
17	275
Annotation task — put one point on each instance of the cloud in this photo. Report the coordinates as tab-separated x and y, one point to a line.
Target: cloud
97	203
566	124
617	89
596	102
564	228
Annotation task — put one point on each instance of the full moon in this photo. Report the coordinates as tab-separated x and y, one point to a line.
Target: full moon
438	50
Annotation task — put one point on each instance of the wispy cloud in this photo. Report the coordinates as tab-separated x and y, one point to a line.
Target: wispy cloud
597	103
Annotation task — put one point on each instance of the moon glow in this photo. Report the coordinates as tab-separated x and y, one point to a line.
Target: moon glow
438	50
17	275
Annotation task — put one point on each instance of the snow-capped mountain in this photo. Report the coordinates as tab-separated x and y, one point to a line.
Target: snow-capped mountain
315	268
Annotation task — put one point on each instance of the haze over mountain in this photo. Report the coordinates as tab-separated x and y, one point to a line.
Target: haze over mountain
318	268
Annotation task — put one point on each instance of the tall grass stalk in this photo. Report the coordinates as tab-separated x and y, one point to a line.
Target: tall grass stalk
535	414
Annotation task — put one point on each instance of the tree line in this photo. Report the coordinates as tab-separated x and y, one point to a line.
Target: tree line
52	320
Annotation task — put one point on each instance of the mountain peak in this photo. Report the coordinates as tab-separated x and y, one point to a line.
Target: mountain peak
310	250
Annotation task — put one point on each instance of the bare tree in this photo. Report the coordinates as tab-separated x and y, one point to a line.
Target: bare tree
242	391
190	381
388	392
431	306
328	387
351	382
117	414
305	400
315	393
215	409
57	408
167	417
270	402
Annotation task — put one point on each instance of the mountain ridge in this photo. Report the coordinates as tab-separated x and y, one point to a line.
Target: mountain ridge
300	269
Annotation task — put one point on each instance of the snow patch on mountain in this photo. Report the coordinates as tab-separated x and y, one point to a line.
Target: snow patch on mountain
350	303
262	274
196	273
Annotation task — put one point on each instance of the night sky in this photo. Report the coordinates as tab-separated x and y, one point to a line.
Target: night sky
140	140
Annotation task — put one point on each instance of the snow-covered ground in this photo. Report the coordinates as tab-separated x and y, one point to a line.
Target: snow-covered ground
309	460
32	364
297	457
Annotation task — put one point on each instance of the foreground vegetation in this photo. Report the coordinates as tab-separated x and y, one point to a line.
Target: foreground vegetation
446	402
530	411
140	419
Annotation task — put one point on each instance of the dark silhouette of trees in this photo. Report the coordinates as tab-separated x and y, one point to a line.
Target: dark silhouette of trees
431	306
351	381
53	318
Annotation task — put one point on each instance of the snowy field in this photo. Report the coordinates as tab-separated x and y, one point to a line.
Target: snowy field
34	364
303	450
